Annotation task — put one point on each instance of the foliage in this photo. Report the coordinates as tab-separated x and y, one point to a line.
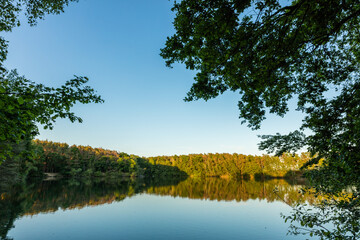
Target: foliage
273	51
85	161
326	220
24	103
337	214
234	165
270	53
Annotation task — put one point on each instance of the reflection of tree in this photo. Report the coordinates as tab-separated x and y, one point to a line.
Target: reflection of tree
229	190
49	196
7	216
12	204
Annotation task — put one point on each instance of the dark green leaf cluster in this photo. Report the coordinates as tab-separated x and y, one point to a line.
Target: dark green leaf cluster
267	52
279	144
270	53
24	103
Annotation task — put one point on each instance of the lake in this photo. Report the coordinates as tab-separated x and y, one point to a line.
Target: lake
211	208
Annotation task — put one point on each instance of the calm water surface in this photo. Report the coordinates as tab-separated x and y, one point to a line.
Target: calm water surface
161	209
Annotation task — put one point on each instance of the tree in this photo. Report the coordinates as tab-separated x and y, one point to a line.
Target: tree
271	51
24	103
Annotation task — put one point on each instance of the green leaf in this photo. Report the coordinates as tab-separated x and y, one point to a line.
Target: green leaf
20	100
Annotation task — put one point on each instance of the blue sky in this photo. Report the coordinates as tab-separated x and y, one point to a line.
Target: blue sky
117	45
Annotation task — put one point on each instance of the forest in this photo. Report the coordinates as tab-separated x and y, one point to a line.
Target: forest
85	161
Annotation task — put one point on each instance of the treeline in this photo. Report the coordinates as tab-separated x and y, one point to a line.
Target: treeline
85	161
235	165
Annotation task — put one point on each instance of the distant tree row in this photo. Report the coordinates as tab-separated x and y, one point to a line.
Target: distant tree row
235	165
85	161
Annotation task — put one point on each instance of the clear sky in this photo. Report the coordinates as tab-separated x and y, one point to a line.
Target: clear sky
117	45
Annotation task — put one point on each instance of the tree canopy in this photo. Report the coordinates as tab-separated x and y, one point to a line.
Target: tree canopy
24	103
270	52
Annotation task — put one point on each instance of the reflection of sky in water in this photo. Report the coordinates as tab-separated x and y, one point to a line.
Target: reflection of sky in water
154	217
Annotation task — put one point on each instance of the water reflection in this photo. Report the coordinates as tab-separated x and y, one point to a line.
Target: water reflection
50	196
228	190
